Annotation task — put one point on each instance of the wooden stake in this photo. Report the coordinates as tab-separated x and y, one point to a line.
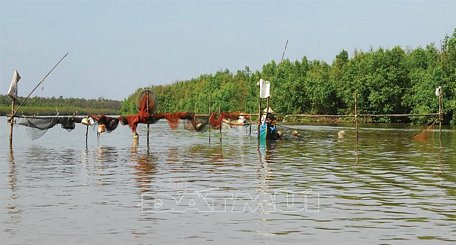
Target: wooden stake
221	124
209	108
87	134
440	112
148	112
267	113
356	126
13	104
356	118
259	115
440	130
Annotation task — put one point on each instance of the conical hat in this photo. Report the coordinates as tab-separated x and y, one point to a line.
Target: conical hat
269	110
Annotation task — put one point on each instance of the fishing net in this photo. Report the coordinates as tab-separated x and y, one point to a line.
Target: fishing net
147	105
130	120
424	134
142	102
40	123
216	122
110	123
38	126
68	123
197	123
174	118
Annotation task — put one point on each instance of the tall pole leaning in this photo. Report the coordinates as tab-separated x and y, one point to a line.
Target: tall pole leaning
13	94
42	80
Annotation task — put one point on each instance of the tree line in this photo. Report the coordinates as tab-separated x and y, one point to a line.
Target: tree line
385	81
63	106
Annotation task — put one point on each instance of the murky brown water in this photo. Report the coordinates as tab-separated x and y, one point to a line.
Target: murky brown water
315	189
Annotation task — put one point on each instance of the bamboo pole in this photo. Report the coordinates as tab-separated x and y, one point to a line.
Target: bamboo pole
363	115
42	80
440	112
209	108
221	124
267	114
341	115
148	111
259	115
440	129
87	134
283	54
356	126
13	104
244	114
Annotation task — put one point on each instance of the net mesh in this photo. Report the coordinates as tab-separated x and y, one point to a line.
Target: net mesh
144	97
216	120
198	124
424	134
38	126
110	123
147	106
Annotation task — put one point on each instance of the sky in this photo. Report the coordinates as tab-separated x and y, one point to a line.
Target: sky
116	47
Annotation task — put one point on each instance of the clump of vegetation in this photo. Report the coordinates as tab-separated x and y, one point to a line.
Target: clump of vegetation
385	81
63	106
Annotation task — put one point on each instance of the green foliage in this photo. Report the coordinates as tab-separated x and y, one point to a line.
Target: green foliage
385	81
63	106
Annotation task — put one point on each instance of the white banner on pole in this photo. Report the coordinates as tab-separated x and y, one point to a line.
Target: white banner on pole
438	91
265	87
12	91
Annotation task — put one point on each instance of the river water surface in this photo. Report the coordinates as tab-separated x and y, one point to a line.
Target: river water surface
317	189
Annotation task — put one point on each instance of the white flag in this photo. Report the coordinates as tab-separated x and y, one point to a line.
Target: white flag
12	91
438	91
264	88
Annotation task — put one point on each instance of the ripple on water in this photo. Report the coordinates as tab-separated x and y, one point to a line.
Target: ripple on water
317	188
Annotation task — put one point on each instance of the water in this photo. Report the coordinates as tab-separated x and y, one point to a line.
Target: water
315	189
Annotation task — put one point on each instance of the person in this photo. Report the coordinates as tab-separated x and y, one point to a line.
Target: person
273	133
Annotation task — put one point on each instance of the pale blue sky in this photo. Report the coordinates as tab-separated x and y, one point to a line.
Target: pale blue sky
116	47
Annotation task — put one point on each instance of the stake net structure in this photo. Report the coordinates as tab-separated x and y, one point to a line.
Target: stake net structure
147	105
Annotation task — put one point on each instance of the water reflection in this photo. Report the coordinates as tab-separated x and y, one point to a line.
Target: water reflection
392	190
264	195
12	171
441	167
357	145
107	154
264	170
145	166
13	211
173	155
214	154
